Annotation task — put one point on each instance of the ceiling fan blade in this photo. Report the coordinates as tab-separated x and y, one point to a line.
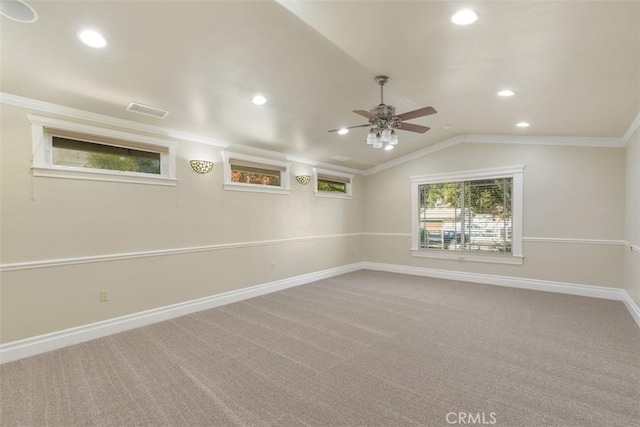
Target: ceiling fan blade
413	128
417	113
364	113
350	127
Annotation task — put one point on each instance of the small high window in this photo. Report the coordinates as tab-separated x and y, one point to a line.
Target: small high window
64	149
248	173
332	184
82	154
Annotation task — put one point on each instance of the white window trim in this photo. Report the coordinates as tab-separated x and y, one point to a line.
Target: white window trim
339	176
285	167
515	172
42	129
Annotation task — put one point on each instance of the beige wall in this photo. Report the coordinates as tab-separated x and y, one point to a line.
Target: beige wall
569	192
45	219
632	218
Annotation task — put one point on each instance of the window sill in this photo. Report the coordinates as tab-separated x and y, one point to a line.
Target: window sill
467	256
333	195
255	188
102	175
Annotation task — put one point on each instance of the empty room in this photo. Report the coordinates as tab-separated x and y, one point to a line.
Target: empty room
319	213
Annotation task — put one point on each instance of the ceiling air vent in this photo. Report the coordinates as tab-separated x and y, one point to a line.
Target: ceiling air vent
340	158
146	110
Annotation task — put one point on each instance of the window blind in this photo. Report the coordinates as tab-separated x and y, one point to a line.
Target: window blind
473	215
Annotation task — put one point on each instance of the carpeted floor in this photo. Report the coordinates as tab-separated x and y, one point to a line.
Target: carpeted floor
362	349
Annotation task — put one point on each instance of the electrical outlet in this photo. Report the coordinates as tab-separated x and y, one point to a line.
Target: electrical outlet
273	266
104	296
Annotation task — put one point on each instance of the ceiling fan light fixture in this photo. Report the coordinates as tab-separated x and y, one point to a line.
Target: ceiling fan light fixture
385	136
383	120
371	137
393	139
464	17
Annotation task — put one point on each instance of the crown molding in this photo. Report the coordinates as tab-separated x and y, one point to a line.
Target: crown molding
416	154
572	141
74	113
633	128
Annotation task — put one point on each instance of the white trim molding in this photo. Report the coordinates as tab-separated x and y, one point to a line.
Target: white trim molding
52	341
571	141
42	343
602	292
283	168
632	247
74	113
633	128
416	154
27	265
370	234
336	176
573	241
163	132
515	172
43	129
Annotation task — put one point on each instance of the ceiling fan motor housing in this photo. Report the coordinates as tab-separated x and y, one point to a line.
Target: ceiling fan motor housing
384	117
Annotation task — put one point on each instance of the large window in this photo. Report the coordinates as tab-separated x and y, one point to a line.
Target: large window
248	173
474	215
64	149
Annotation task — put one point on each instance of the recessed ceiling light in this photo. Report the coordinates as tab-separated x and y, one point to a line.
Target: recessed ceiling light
506	92
388	147
340	158
259	100
343	131
523	125
18	10
464	17
92	38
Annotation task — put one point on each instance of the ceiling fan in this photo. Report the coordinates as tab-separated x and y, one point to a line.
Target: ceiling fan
384	122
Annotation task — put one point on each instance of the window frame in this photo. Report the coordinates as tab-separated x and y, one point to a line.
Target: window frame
514	172
332	175
43	129
270	164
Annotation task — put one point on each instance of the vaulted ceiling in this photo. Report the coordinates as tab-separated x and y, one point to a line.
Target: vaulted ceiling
575	68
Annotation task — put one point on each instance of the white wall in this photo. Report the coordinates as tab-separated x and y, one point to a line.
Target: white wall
569	192
632	218
45	219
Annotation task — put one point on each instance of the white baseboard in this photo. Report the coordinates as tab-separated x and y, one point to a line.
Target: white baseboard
633	308
616	294
43	343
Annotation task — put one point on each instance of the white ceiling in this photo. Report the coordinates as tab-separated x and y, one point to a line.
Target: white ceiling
574	65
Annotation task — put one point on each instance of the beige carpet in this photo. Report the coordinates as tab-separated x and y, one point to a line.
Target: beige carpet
362	349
